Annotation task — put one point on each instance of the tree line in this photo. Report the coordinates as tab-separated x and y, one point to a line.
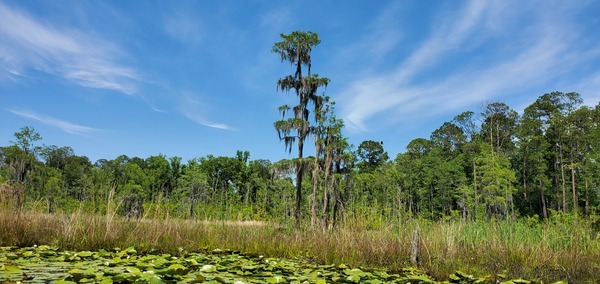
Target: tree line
491	164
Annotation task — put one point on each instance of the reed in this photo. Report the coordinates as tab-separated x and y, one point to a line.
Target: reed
548	251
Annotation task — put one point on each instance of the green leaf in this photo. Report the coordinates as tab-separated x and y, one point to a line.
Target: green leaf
160	262
353	278
28	254
130	250
176	269
419	278
276	279
113	271
249	268
133	270
192	262
455	277
354	271
78	274
11	256
516	281
10	269
153	279
85	254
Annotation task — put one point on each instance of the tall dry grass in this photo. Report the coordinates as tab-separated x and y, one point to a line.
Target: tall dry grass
543	250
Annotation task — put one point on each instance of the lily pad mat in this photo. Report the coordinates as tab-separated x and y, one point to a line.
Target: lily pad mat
45	264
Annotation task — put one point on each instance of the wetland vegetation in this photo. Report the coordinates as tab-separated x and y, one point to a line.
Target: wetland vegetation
493	251
485	199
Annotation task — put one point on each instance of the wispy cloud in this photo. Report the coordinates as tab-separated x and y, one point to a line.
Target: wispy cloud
158	110
195	117
379	92
55	122
82	58
200	120
589	86
195	110
541	50
448	36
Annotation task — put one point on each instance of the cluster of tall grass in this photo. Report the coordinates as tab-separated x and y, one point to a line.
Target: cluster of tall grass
560	248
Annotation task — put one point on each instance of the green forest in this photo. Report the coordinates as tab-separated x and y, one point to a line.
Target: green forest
485	166
535	165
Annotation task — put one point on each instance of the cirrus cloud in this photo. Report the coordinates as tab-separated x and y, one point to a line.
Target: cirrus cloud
82	58
63	125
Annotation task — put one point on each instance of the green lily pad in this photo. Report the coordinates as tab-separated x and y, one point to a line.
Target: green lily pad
152	278
354	272
10	269
176	269
276	279
11	256
516	281
200	278
160	262
113	271
48	264
77	274
419	279
133	270
85	254
353	278
130	250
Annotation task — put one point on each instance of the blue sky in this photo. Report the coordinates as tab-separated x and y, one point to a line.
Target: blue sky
192	78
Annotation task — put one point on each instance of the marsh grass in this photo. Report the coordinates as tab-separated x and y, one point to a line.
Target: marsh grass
549	251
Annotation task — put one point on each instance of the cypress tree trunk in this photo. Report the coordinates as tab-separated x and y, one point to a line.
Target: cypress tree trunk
562	174
543	201
475	212
587	200
313	199
573	187
299	174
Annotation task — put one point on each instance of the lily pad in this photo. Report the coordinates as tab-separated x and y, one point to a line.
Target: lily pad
176	269
10	269
48	264
77	274
85	254
276	279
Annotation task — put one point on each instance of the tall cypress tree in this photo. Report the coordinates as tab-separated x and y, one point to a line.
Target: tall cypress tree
296	48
